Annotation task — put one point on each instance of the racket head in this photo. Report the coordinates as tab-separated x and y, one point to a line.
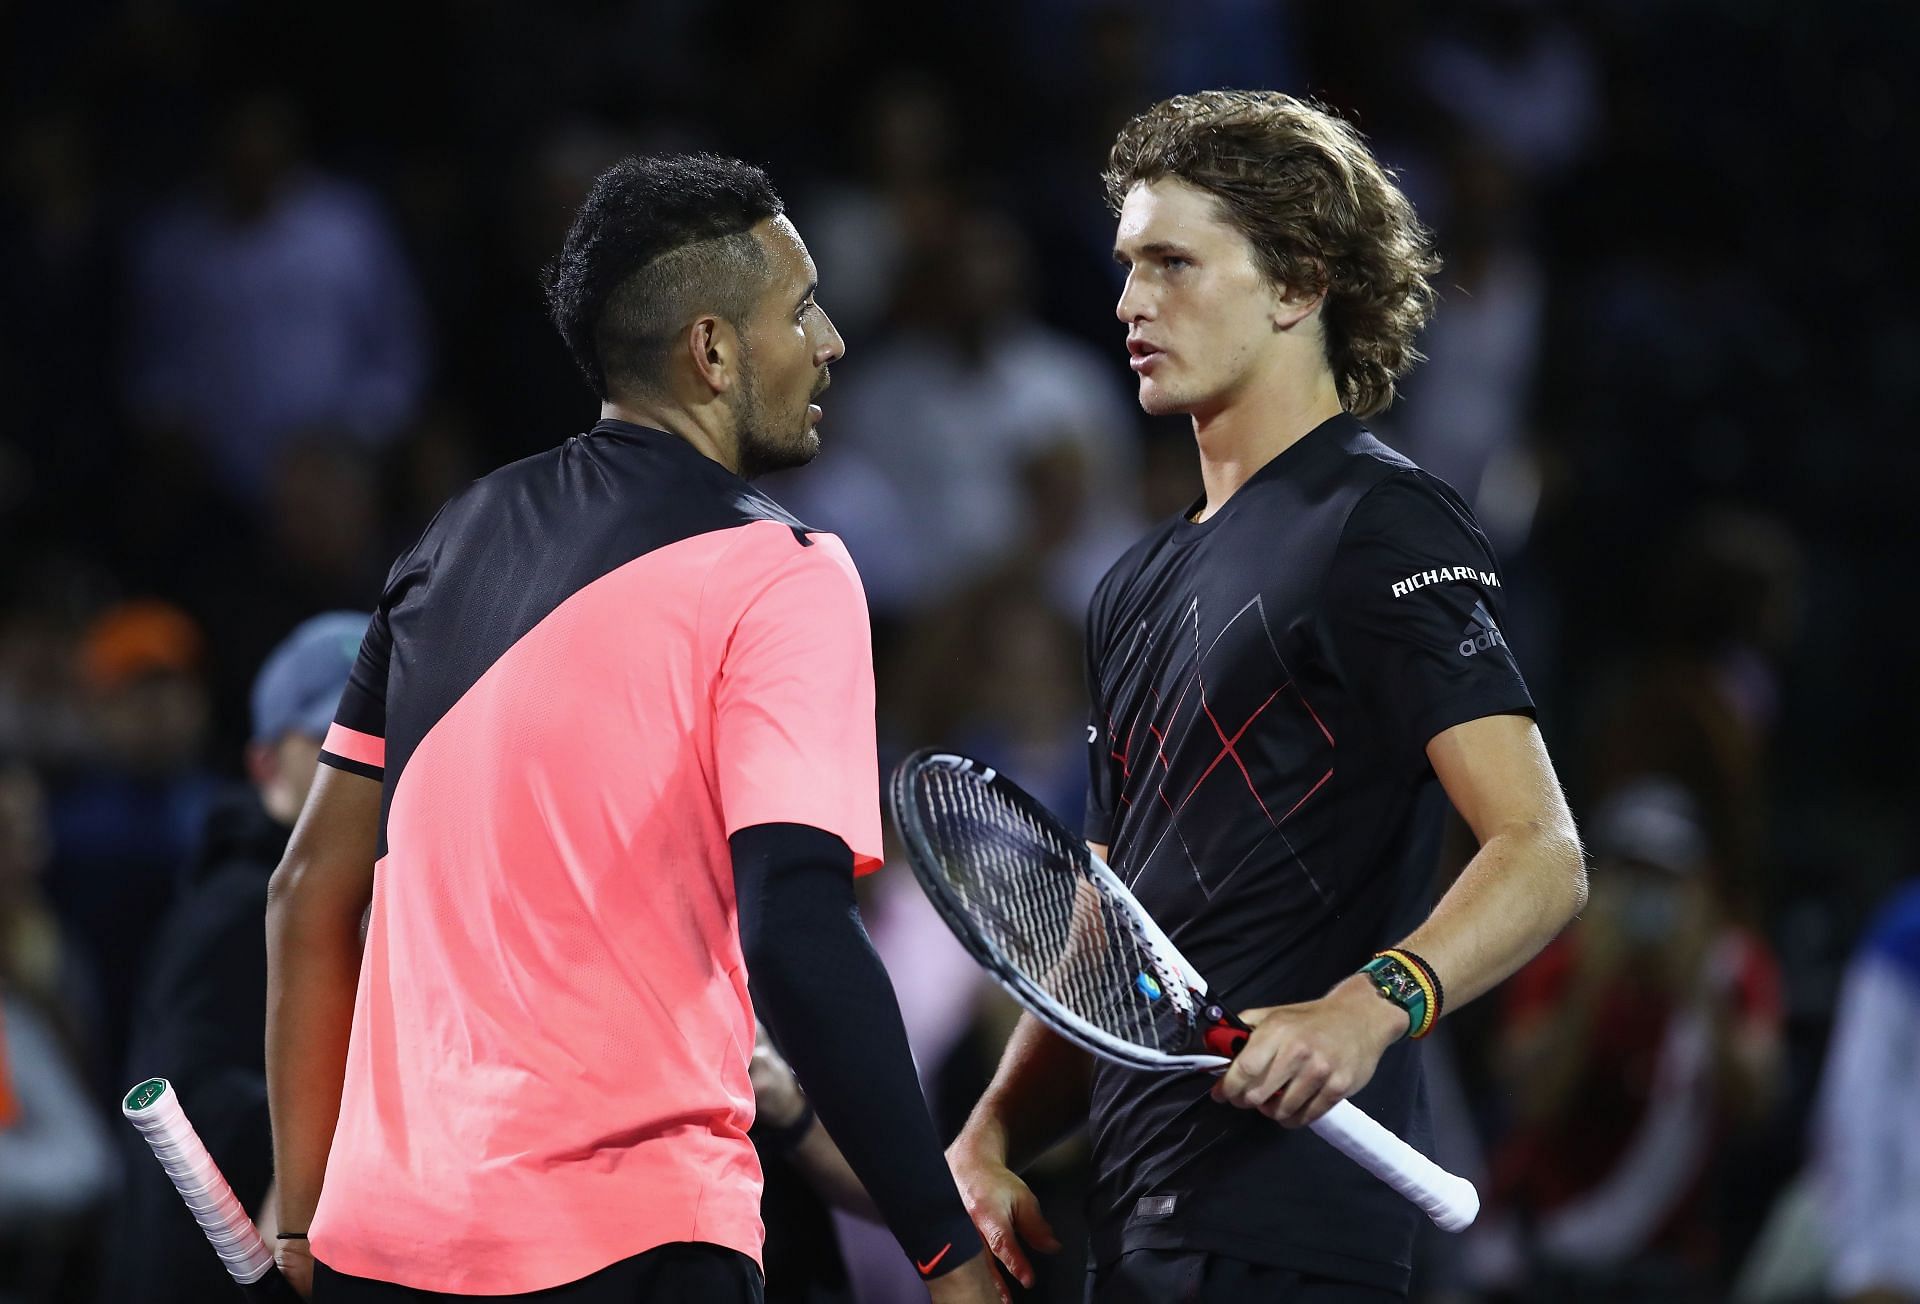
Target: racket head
1052	924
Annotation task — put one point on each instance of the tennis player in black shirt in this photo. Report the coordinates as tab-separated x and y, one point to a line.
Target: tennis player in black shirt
1289	683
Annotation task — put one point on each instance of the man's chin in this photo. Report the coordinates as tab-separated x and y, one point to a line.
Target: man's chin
764	457
1155	401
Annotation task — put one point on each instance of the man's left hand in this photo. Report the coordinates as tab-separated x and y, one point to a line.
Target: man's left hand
1302	1060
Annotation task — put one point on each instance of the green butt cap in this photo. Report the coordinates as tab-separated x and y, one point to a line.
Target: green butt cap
146	1094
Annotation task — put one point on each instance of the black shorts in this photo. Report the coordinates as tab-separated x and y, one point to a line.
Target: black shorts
1195	1277
684	1272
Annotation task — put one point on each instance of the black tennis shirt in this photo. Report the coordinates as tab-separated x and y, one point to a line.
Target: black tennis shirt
1264	686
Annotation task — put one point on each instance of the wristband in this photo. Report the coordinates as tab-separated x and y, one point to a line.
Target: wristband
779	1140
289	1236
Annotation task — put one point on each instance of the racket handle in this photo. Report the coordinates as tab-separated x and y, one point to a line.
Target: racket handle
1448	1199
1225	1035
154	1109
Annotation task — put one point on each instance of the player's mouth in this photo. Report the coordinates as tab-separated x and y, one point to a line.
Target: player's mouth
814	414
1143	356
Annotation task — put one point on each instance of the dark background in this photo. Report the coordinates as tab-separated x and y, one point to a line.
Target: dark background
1679	392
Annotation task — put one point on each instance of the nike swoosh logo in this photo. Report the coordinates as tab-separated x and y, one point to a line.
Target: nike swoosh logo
934	1262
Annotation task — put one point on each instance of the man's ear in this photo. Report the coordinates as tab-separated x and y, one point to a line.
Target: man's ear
713	347
1292	305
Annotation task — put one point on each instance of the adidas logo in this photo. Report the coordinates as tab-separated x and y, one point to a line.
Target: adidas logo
1481	634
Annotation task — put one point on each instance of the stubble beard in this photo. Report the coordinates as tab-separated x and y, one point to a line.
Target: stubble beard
764	449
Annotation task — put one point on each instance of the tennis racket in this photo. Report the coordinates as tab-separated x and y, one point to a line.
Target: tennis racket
1060	931
154	1109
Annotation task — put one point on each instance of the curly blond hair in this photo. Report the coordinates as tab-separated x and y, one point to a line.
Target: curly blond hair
1321	212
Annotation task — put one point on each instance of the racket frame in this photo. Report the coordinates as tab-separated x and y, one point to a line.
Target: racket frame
1018	984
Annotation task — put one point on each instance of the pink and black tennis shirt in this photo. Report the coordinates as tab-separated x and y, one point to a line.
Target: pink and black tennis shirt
595	665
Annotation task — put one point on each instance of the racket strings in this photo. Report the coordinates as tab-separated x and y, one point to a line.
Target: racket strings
1031	895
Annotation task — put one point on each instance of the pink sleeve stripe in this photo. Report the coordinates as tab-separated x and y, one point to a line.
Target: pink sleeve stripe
352	745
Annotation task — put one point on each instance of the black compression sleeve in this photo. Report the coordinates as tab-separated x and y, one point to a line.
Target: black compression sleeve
821	990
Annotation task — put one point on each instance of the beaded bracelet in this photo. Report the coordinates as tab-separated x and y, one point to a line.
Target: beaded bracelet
1408	981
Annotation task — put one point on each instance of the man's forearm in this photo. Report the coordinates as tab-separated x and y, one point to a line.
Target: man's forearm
1038	1094
819	1160
313	967
844	1037
1520	890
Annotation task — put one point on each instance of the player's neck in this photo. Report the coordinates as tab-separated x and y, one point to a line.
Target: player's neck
706	436
1249	430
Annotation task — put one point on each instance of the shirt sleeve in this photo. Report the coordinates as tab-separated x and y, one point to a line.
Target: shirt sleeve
1414	606
357	740
794	738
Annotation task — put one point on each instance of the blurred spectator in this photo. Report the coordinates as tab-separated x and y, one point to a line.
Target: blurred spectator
1465	412
1515	74
996	672
324	544
58	288
1631	1046
125	818
270	301
44	718
948	412
862	233
36	962
1700	699
56	1165
203	996
1867	1127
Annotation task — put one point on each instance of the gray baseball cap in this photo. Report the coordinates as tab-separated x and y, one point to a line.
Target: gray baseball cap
1653	821
298	689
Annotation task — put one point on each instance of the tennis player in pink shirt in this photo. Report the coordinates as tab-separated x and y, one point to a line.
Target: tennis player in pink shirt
604	772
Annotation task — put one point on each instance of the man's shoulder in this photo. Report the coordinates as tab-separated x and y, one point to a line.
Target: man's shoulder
616	500
1393	496
1356	465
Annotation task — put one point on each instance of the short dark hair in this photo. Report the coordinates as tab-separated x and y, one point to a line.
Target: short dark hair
1322	213
658	240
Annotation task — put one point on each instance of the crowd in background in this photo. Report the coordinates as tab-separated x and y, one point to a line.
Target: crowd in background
270	292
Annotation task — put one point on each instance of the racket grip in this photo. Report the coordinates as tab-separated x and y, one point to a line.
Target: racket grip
1225	1035
154	1109
1448	1199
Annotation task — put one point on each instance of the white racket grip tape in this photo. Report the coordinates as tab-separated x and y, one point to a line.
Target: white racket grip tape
154	1109
1449	1200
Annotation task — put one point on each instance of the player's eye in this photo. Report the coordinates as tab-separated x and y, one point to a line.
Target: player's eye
1174	263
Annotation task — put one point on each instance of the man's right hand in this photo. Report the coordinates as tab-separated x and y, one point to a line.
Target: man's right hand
974	1282
1002	1207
